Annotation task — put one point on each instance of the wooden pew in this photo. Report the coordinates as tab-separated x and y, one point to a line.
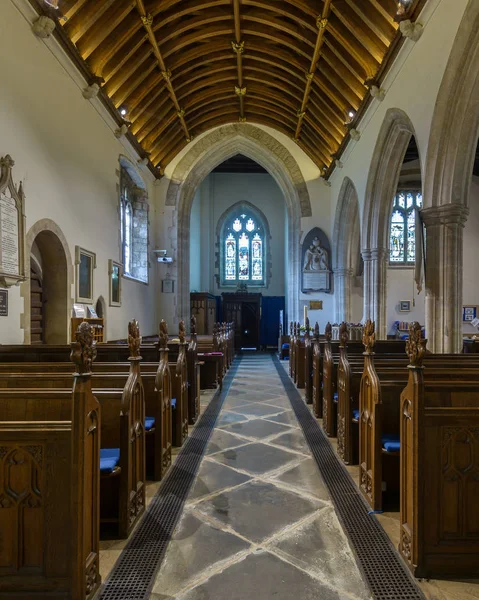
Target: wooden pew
317	374
50	487
329	385
193	375
179	377
210	352
122	400
308	364
159	440
439	457
292	328
382	383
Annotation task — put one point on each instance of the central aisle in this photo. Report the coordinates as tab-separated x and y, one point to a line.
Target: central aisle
258	521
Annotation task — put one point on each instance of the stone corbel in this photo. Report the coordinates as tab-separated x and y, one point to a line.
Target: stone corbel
43	27
338	164
91	91
121	131
355	135
410	30
377	92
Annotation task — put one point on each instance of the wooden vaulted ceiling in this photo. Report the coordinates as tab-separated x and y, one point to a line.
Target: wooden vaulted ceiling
181	67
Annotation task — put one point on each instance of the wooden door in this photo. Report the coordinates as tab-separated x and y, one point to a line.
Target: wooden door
36	305
250	325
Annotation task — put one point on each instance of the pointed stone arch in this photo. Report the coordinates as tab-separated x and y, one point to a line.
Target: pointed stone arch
346	248
386	163
210	151
452	145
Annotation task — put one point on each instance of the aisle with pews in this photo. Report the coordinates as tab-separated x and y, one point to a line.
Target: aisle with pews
404	423
258	521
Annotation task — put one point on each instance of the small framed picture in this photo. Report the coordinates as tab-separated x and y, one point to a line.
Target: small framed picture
469	313
168	286
85	263
404	306
115	273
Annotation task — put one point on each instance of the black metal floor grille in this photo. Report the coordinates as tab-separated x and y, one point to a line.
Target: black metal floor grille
134	573
385	573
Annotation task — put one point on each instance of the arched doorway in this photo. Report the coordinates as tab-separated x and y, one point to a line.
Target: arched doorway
347	261
50	264
214	148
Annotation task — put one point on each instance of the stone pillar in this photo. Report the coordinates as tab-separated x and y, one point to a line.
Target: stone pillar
444	250
343	282
375	288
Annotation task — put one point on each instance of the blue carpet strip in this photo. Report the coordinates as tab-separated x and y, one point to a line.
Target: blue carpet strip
383	569
134	573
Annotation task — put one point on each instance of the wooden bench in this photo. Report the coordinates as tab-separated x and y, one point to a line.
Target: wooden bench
122	400
317	374
380	415
49	458
179	377
439	457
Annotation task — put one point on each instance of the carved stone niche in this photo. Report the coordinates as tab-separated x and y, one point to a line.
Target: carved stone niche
12	227
316	262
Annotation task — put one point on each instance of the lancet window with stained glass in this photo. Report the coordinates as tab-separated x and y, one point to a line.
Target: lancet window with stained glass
243	254
402	238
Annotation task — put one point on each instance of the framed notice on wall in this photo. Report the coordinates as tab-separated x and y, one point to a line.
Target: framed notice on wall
85	263
12	227
115	272
3	303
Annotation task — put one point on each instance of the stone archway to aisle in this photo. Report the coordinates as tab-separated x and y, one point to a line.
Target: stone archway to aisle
210	151
386	163
346	245
450	157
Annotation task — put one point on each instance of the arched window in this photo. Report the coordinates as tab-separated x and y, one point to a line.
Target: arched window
402	238
133	224
128	238
243	249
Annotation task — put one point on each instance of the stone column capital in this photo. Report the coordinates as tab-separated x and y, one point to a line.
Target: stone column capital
343	272
445	214
374	254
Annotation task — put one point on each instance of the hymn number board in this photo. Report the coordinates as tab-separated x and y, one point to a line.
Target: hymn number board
12	227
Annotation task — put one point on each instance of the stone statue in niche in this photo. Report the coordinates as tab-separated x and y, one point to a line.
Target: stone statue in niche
316	271
316	258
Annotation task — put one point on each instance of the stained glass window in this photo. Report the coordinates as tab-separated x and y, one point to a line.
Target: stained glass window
243	250
230	258
402	238
128	238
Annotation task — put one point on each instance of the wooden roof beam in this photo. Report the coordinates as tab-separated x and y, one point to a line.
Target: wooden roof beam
147	21
322	22
238	49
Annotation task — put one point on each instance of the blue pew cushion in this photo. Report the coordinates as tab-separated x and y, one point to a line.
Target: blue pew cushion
173	403
356	414
149	423
285	346
335	397
109	459
391	443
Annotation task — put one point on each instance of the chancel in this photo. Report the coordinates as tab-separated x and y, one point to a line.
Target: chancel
239	299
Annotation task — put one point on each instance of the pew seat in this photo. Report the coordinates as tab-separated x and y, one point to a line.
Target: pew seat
391	443
110	461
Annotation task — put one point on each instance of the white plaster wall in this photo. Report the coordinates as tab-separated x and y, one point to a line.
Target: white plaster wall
401	286
470	282
67	157
218	193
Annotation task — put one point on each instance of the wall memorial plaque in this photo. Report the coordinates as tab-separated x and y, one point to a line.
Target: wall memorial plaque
3	303
316	257
12	227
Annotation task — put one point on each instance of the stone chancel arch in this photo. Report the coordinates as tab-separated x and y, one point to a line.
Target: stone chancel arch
204	156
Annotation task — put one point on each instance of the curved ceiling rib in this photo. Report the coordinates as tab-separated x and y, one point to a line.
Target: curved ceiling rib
176	68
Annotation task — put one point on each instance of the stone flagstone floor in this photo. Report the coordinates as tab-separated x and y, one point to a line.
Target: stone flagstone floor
258	521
